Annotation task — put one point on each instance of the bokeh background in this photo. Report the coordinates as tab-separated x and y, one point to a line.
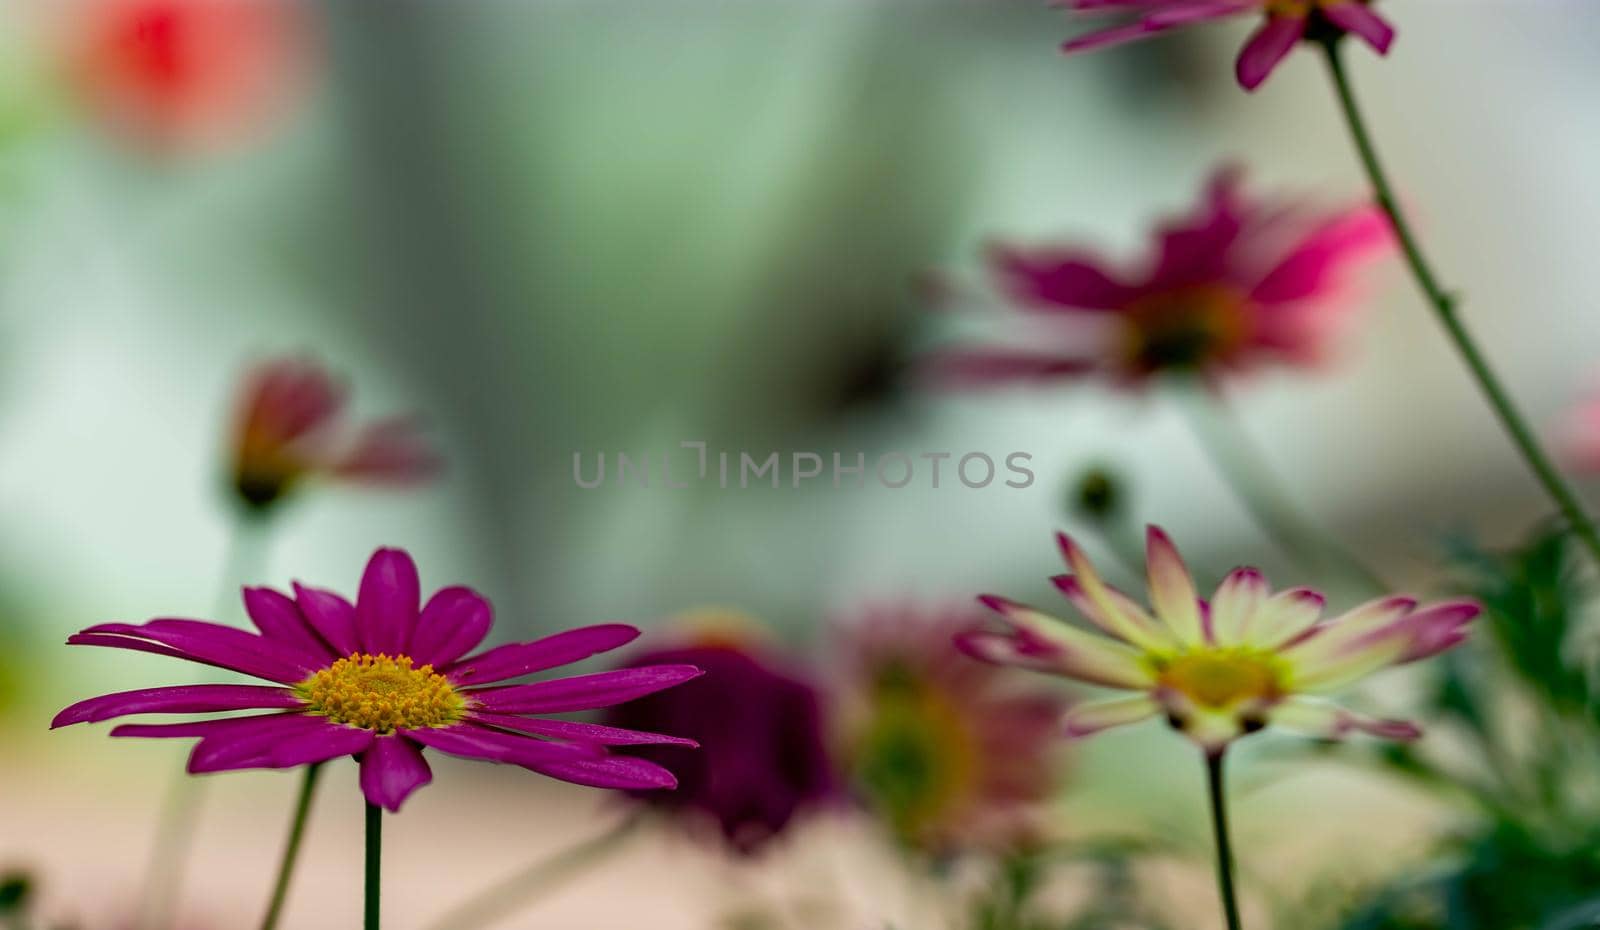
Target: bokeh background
612	226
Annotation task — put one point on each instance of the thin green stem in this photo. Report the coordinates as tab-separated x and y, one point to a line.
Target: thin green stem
291	849
180	807
1258	487
374	892
1444	307
1219	827
504	897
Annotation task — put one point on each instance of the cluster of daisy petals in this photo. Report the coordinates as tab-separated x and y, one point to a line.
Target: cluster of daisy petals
291	426
1286	24
383	679
1241	282
1217	669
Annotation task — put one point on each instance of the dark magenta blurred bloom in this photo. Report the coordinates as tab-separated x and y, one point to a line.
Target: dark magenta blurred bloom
291	425
382	679
189	73
950	753
1287	24
1241	283
763	758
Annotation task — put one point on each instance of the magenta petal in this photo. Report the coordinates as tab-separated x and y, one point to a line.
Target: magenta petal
454	621
387	605
1185	14
584	692
391	769
1358	18
185	699
476	742
1269	46
1312	267
1107	38
219	646
234	725
1434	629
618	772
582	732
517	659
1200	246
333	617
278	618
266	741
118	641
329	741
1057	280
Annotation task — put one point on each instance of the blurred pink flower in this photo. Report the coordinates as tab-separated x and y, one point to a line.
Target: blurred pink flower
1288	22
1218	669
182	73
382	679
949	753
1238	284
289	427
1580	434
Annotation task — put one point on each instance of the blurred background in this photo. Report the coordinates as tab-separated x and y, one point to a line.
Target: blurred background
557	228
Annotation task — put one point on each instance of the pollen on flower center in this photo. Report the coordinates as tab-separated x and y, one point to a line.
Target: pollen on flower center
1221	678
383	693
1296	8
1186	328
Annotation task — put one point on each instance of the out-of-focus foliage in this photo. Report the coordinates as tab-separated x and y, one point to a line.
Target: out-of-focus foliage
1534	597
1529	856
1116	901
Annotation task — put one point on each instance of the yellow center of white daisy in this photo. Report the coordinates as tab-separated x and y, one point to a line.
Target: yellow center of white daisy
382	693
1222	678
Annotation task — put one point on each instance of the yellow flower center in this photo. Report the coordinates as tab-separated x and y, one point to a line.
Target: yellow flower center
1222	678
1186	328
383	693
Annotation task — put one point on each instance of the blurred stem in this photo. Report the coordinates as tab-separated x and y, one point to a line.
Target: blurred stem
374	891
291	850
504	897
1219	826
1444	307
1245	469
180	807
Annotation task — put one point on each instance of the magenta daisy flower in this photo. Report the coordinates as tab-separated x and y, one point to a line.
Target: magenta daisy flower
1288	22
291	426
1240	283
1247	659
382	680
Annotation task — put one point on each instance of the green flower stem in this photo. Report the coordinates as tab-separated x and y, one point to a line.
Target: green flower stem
504	897
291	850
374	893
1245	469
1219	826
180	807
1444	307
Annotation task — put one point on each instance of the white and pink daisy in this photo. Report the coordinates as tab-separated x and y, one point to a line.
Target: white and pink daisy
1216	670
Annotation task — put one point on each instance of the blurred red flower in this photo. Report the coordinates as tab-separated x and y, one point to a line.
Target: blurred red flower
186	73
